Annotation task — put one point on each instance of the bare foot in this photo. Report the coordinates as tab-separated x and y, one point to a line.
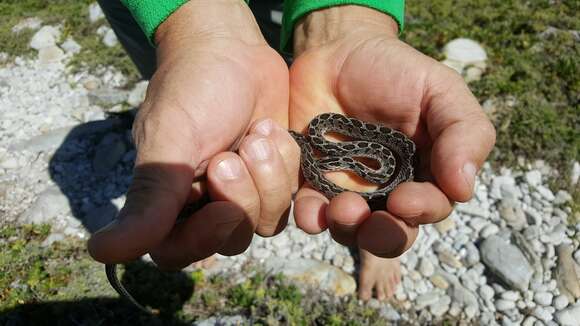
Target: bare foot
381	274
205	263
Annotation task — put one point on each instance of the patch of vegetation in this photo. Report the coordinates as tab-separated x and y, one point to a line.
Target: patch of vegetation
533	60
73	16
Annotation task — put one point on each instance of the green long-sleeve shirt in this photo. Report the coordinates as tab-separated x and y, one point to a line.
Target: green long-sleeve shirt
149	14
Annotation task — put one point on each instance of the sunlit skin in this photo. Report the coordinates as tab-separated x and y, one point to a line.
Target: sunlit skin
359	68
215	117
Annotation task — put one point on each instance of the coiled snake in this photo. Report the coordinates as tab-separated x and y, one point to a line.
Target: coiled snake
390	148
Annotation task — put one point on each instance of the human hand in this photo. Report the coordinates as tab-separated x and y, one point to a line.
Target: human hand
214	79
349	61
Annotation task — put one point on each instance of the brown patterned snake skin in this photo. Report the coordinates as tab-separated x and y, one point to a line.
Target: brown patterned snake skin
390	148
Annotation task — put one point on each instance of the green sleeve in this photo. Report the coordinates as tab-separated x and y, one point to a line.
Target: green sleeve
295	9
149	14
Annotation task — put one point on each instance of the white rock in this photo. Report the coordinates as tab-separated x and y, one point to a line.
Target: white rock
137	95
71	46
560	302
546	193
569	316
543	298
31	23
426	299
426	267
486	292
503	305
575	175
45	37
95	12
510	295
465	51
489	230
533	178
109	38
50	54
542	314
9	163
48	205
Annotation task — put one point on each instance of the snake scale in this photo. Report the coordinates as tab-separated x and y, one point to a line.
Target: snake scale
390	148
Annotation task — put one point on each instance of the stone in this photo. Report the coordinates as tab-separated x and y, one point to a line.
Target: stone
507	262
426	299
569	316
445	225
260	253
562	197
464	51
45	37
472	210
472	256
95	12
473	74
107	97
489	230
546	193
426	267
71	46
315	273
542	314
236	320
533	178
575	174
510	295
448	258
503	305
543	298
561	302
50	54
439	308
108	153
567	273
9	163
511	211
486	292
137	95
30	23
439	282
49	203
110	38
389	313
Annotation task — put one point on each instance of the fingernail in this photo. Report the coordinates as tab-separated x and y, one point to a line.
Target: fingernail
264	127
469	171
259	149
229	169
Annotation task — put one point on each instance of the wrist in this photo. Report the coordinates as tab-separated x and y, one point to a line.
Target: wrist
209	20
329	25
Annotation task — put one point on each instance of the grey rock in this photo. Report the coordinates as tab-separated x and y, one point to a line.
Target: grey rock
50	54
542	314
486	292
503	305
426	299
9	163
30	23
511	211
562	197
48	205
389	313
108	153
543	298
107	97
569	316
533	178
510	295
314	273
45	37
95	12
489	230
567	274
507	262
561	302
137	95
222	321
71	46
546	193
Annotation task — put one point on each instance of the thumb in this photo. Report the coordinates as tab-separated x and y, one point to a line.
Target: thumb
162	180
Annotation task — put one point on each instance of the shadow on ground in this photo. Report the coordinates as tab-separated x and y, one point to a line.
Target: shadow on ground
163	292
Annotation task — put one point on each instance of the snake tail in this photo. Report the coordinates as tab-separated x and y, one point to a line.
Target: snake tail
111	271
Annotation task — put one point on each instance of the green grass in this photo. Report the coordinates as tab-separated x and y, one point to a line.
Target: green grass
541	74
73	15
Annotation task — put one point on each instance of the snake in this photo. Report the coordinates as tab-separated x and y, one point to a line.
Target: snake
391	149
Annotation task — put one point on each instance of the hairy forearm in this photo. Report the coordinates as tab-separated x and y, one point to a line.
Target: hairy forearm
207	21
328	25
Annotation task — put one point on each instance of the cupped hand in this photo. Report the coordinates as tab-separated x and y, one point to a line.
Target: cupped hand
360	69
217	88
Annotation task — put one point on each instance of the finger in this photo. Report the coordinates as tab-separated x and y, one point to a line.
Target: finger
287	147
419	203
199	236
310	210
271	179
344	214
384	235
462	135
229	180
